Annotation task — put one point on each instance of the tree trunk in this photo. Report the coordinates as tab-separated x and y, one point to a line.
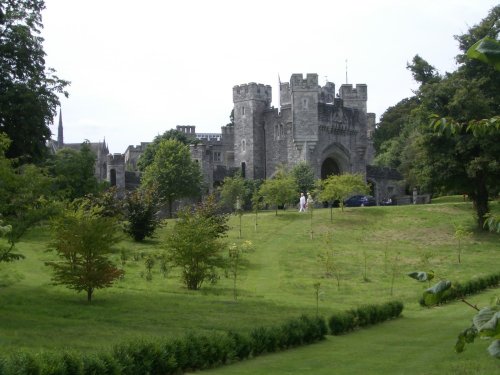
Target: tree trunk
89	294
480	200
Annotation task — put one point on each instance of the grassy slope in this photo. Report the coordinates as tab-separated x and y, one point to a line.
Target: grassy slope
277	283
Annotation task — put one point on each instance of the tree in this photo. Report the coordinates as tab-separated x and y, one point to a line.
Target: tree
195	244
83	240
340	187
279	190
149	153
232	189
454	159
24	196
140	213
392	122
422	71
303	175
73	172
173	174
28	90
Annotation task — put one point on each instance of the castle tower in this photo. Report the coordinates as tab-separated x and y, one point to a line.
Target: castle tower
116	170
304	100
250	102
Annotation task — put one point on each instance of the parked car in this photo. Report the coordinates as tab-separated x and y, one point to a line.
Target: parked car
386	202
360	201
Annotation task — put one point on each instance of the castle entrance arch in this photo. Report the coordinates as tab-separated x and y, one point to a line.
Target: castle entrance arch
329	167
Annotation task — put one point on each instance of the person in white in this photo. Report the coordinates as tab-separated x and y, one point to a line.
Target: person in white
302	203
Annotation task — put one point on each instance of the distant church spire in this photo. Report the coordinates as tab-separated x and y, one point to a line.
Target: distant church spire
60	138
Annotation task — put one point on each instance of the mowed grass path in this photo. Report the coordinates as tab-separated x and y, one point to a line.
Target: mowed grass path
276	284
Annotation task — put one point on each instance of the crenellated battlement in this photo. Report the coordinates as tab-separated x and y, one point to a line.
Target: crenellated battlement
252	91
359	92
297	82
186	129
116	159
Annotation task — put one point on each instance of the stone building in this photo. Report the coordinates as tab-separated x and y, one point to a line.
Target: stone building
329	130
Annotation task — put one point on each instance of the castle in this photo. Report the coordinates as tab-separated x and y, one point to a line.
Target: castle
330	131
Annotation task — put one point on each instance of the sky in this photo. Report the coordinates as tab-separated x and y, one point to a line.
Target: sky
139	68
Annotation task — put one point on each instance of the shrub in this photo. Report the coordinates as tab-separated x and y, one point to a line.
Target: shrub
241	345
461	290
343	322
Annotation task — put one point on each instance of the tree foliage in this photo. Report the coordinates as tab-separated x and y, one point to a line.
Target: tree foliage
195	244
459	152
232	189
280	190
303	174
73	172
28	89
172	174
149	153
141	214
83	240
340	187
25	193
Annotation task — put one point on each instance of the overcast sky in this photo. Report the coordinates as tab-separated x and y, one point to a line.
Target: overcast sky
139	68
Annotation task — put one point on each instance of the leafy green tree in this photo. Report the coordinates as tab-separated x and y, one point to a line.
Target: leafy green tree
340	187
280	190
6	254
149	153
74	173
392	122
172	174
24	195
83	240
28	89
141	214
303	175
422	71
195	244
232	189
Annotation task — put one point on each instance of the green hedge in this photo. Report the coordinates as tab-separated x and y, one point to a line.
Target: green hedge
461	290
191	353
346	321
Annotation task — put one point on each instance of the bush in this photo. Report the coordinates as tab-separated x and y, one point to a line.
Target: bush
343	322
461	290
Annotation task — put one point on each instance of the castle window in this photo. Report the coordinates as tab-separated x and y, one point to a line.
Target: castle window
243	145
112	177
243	111
217	156
282	131
243	170
304	103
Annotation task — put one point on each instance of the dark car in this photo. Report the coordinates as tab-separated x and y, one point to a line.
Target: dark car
360	201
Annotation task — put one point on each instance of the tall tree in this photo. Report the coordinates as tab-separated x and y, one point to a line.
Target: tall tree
149	153
28	89
24	195
74	172
173	174
83	240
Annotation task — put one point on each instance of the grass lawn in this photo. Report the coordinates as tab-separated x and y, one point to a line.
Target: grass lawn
372	246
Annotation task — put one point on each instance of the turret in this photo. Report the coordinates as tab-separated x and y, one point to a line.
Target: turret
250	102
354	97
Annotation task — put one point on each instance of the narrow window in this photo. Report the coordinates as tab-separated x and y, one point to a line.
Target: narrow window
112	177
243	170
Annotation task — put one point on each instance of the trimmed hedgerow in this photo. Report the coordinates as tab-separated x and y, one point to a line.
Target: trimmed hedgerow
460	290
191	353
346	321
